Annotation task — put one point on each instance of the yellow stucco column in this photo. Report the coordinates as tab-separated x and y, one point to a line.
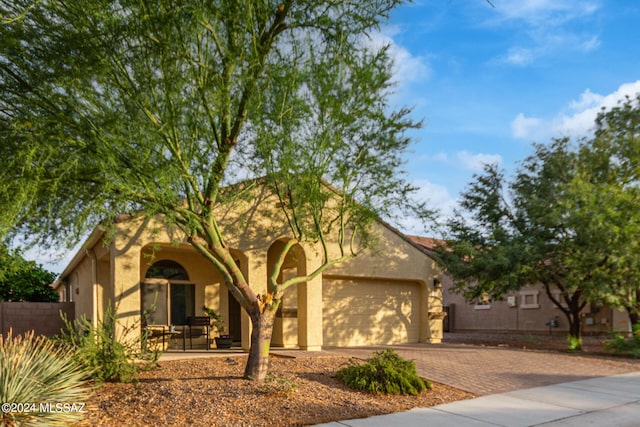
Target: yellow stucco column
125	282
435	313
310	305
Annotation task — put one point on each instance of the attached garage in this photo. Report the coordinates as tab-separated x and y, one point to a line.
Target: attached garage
364	311
388	295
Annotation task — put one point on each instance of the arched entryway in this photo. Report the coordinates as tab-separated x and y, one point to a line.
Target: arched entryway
286	326
168	296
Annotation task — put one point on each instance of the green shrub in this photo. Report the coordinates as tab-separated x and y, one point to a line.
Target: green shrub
629	346
109	356
574	343
35	371
384	373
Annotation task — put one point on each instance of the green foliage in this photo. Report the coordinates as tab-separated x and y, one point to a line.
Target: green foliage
384	373
22	280
519	232
107	354
160	109
35	370
629	346
606	199
568	220
574	343
216	320
211	90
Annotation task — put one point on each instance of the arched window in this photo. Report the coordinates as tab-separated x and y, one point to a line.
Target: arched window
170	301
167	269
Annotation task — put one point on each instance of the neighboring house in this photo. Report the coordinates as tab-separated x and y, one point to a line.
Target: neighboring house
526	310
387	298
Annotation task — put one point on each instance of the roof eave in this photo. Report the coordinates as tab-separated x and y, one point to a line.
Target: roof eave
90	242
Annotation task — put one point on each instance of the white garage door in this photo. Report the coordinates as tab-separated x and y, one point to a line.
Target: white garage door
369	312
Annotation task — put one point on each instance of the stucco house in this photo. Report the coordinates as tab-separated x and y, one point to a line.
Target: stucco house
386	296
528	310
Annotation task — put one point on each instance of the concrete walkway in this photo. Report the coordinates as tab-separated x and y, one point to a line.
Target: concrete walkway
605	401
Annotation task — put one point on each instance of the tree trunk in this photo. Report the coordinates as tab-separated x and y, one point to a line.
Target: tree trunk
632	310
575	331
258	361
574	325
633	317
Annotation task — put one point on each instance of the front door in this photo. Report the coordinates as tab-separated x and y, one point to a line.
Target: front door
235	312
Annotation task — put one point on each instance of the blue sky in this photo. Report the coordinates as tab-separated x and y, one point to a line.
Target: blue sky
490	81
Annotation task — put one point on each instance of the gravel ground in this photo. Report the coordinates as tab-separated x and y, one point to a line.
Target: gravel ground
301	391
211	392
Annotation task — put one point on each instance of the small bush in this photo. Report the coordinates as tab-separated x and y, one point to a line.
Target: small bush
628	346
574	343
34	370
384	373
103	353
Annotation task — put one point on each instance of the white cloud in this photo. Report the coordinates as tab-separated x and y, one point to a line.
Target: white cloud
577	120
546	12
526	127
580	120
477	161
591	44
407	67
545	27
587	99
437	197
519	56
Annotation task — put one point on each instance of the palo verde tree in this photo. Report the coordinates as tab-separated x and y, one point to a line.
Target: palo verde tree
156	107
510	234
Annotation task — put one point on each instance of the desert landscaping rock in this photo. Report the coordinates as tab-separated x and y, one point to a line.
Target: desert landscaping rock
303	390
212	392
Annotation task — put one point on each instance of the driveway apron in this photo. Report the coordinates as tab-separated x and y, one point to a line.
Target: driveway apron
490	370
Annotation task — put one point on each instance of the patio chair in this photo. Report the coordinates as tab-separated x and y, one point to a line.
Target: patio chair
198	326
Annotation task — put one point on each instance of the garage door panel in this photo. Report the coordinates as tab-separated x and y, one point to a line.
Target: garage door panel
367	312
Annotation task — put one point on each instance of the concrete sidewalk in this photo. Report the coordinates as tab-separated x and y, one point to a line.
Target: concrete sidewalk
604	401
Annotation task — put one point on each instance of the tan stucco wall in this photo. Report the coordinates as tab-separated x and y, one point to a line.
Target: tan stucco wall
396	263
360	311
504	317
391	257
81	289
120	268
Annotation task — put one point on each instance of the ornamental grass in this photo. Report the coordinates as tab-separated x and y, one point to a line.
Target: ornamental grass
40	384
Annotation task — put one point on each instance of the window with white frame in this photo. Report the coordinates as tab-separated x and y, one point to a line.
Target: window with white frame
529	299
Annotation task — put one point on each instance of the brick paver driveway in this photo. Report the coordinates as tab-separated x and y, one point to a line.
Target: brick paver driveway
490	370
